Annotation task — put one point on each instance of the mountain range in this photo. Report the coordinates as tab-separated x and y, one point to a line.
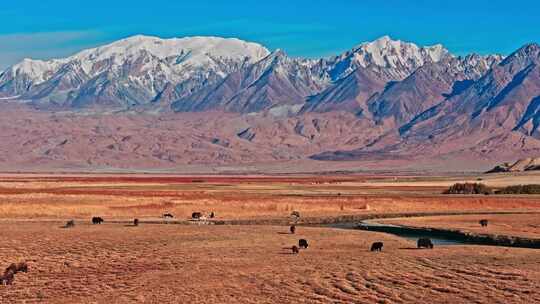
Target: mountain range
402	102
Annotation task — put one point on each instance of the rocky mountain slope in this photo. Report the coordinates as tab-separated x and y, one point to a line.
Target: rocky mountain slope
382	101
494	114
277	81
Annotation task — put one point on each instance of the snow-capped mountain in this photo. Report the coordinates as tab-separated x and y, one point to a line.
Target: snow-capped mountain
364	71
210	73
276	82
384	99
392	59
128	72
341	82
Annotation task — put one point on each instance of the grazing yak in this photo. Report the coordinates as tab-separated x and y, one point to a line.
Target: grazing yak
70	224
302	243
483	223
196	215
424	243
97	220
295	214
293	229
212	215
136	222
295	250
377	246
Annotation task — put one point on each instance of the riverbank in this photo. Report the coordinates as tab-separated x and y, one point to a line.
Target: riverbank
455	235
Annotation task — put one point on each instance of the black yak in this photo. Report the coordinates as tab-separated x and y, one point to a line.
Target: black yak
302	243
483	223
70	224
377	246
168	215
293	229
425	243
97	220
196	215
136	222
295	250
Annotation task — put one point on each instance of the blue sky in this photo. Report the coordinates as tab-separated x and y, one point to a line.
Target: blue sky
308	28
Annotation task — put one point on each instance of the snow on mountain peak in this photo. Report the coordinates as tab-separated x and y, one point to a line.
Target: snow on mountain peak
37	70
385	52
163	48
393	59
189	52
185	54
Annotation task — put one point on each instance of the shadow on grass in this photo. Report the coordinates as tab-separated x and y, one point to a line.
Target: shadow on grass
288	253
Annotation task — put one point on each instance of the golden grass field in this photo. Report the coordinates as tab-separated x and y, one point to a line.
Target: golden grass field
158	263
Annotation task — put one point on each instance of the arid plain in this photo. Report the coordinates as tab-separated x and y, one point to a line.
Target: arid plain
245	256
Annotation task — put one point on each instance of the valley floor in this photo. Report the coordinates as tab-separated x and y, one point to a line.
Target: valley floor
212	264
117	262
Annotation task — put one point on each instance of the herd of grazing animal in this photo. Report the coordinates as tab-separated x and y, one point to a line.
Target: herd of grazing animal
96	220
422	242
9	274
376	246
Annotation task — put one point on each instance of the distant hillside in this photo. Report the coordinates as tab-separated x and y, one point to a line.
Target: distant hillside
526	164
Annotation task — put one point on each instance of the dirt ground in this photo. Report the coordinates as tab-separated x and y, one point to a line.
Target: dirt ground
168	263
112	263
